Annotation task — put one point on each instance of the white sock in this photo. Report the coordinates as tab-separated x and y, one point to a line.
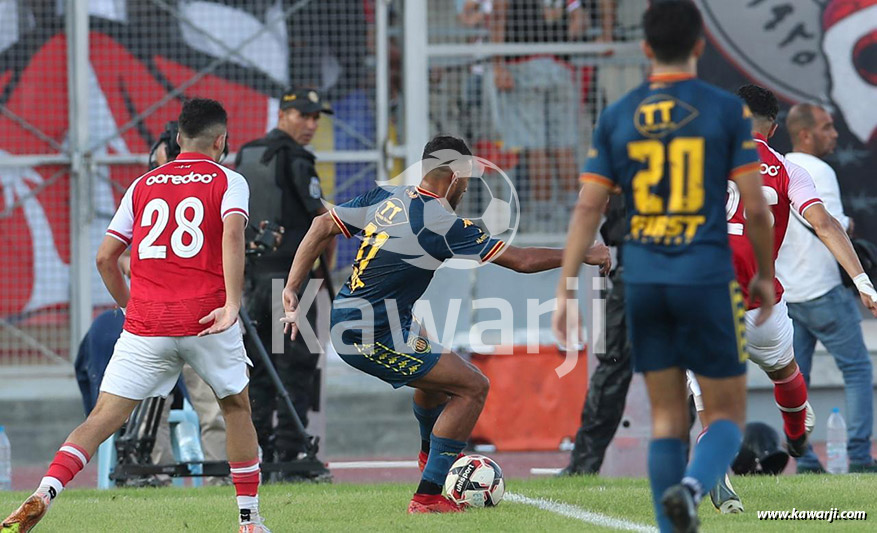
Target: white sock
51	486
249	508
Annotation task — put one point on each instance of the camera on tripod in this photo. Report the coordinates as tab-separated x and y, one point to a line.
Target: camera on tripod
266	239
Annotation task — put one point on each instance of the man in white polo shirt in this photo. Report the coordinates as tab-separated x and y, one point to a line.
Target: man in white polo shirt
821	308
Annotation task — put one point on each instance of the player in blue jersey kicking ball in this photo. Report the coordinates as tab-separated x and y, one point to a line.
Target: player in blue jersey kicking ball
671	145
407	232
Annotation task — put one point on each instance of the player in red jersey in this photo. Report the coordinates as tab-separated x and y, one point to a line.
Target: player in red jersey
786	187
184	222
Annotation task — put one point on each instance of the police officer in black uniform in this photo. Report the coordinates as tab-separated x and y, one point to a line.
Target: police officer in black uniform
284	191
604	405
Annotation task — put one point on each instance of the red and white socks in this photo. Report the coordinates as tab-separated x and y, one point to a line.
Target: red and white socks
246	476
791	397
68	462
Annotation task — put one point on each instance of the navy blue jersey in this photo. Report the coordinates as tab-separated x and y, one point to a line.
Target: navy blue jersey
406	234
671	145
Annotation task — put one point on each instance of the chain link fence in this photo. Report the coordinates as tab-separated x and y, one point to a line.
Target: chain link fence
523	81
142	59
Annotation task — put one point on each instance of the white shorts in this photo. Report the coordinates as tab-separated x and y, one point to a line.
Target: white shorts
142	367
770	345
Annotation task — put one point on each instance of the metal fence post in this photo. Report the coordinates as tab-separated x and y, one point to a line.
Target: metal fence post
382	87
416	76
78	68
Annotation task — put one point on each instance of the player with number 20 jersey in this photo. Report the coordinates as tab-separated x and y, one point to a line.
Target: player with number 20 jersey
670	146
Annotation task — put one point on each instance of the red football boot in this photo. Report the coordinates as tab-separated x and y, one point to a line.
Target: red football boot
26	517
433	503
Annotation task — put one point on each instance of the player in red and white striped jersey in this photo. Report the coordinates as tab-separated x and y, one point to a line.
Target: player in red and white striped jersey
184	222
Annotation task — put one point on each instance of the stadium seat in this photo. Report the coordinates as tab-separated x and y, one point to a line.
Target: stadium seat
106	455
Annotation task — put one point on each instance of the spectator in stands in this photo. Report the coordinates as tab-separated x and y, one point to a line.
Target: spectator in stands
618	21
475	119
820	307
536	94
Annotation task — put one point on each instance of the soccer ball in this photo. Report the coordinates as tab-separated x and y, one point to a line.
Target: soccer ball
475	480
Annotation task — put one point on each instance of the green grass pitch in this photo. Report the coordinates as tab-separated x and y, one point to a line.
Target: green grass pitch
381	507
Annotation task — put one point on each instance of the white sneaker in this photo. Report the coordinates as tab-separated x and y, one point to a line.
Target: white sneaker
724	498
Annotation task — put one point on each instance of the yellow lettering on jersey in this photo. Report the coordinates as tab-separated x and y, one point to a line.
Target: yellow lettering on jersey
660	114
649	111
371	242
665	229
466	222
674	228
686	157
651	153
686	174
387	211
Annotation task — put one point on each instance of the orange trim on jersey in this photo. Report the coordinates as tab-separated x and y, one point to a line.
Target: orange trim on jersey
119	236
426	193
340	224
671	76
493	252
743	169
590	177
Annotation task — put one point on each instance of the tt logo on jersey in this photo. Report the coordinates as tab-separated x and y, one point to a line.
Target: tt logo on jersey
391	213
660	114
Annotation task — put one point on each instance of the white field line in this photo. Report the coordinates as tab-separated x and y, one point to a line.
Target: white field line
545	471
571	511
355	465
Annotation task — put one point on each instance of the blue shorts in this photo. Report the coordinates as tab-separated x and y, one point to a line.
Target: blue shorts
695	327
398	363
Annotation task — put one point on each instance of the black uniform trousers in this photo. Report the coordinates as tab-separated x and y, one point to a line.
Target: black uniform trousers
297	368
607	392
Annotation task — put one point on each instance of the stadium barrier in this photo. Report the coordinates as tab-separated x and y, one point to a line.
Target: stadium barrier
529	407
